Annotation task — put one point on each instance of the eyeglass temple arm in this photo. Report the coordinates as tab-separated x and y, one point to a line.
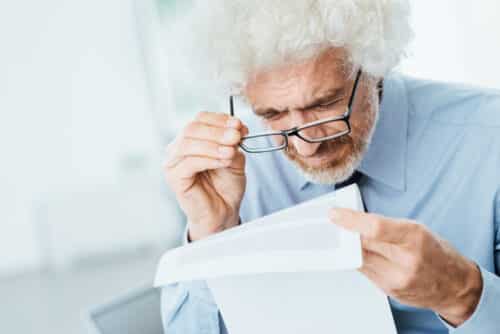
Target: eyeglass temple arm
354	88
231	105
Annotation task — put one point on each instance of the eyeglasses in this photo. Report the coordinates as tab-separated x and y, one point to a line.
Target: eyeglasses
333	128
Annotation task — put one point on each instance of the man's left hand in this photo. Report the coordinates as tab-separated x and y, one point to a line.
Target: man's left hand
414	266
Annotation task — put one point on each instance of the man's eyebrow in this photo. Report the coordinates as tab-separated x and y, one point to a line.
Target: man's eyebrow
329	96
263	111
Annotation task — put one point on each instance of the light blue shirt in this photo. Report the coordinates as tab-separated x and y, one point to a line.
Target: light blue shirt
434	157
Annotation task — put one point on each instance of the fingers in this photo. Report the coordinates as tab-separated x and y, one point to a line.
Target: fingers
238	162
193	165
372	263
211	135
209	142
371	226
382	248
379	270
192	147
375	261
218	120
376	268
375	277
392	252
244	130
190	165
220	135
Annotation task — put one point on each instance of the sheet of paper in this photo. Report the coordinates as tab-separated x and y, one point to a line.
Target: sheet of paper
289	272
303	302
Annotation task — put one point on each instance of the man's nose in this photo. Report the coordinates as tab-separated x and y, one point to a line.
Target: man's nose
302	147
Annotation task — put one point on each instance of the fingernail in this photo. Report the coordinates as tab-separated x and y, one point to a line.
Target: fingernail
233	123
225	152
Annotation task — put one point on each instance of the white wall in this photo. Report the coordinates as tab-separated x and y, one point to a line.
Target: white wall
75	120
456	40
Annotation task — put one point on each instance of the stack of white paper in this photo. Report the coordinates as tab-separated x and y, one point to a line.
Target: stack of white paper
289	272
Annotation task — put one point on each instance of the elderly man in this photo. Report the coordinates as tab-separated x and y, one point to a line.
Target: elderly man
329	111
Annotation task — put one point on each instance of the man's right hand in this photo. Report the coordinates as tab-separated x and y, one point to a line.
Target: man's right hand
206	170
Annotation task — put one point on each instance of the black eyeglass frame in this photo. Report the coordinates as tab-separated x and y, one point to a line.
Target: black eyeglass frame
295	131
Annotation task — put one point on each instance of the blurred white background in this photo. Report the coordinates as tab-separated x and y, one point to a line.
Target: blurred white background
85	111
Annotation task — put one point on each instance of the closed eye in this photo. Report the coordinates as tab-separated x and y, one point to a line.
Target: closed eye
271	115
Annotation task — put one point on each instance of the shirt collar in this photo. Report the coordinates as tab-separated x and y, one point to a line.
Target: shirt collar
385	159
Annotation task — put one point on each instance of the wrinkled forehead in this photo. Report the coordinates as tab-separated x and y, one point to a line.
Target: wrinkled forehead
303	80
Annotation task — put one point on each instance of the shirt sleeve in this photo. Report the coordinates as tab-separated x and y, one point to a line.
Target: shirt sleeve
485	320
189	307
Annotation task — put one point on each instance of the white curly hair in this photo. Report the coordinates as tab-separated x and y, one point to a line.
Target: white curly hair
224	42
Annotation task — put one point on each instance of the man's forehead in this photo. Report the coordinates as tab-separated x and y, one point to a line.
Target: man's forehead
310	79
329	62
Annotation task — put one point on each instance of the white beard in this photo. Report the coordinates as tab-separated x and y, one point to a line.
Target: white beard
331	176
